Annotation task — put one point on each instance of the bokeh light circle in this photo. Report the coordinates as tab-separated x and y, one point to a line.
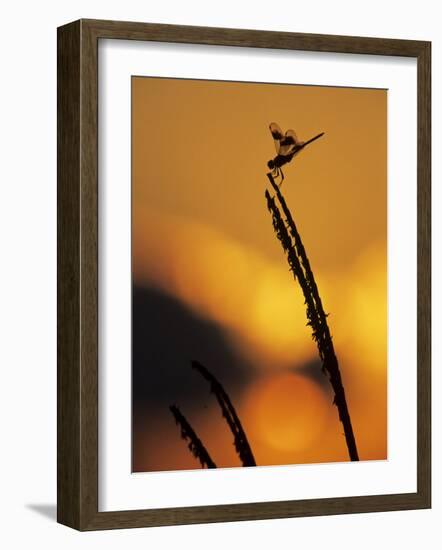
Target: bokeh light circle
287	411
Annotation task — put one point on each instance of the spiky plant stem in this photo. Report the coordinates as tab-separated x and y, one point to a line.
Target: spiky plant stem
241	442
195	444
316	316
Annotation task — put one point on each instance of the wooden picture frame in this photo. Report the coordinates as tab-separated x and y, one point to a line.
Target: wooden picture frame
78	274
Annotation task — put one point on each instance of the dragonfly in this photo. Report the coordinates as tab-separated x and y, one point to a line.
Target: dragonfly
287	146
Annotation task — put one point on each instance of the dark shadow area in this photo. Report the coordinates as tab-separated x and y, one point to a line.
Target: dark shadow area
49	511
313	370
166	336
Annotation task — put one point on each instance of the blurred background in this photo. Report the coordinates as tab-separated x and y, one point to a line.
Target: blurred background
210	280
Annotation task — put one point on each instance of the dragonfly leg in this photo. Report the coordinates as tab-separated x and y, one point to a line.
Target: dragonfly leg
282	177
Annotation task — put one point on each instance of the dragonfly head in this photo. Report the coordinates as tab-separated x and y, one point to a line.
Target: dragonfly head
271	164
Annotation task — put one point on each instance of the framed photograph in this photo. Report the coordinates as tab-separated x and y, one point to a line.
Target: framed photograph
243	274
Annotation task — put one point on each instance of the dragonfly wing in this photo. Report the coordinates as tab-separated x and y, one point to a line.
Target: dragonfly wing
277	135
289	142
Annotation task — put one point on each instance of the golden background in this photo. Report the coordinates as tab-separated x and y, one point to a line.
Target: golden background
202	234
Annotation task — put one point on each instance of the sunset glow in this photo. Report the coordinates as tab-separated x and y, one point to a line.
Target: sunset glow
202	240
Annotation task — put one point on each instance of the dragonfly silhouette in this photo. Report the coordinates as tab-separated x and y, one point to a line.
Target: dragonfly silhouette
287	146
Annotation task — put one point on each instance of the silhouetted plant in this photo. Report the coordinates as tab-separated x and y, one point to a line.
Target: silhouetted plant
228	411
195	445
292	245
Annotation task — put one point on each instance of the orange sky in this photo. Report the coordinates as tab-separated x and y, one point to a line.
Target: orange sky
202	234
